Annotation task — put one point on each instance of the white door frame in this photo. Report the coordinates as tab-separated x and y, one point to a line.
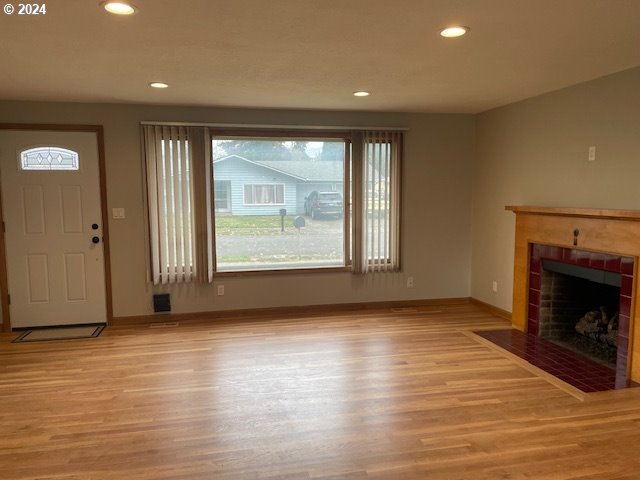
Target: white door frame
99	131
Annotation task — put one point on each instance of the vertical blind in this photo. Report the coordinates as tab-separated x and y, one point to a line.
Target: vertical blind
202	168
178	204
378	218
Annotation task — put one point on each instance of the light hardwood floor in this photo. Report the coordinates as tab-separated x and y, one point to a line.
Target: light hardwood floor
369	395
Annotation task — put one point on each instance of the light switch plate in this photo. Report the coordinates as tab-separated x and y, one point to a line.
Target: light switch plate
118	213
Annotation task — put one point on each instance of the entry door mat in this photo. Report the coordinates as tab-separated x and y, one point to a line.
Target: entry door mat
562	363
59	333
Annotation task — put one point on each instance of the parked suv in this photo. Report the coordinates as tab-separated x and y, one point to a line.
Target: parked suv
323	203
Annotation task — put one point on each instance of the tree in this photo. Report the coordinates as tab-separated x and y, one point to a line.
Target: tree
298	151
332	151
253	149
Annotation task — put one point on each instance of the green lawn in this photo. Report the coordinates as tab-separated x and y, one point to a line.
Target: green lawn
262	259
252	224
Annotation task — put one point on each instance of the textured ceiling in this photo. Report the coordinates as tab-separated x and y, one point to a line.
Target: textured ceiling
313	54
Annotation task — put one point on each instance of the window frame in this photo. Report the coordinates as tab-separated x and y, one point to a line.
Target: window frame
298	134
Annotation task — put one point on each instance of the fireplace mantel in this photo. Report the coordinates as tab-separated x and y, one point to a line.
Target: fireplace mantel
629	215
606	231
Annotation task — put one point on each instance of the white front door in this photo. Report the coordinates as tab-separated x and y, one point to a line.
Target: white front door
53	227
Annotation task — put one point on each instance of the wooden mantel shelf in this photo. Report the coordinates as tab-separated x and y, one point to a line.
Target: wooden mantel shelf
629	215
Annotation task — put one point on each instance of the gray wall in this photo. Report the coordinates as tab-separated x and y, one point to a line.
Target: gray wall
535	153
437	214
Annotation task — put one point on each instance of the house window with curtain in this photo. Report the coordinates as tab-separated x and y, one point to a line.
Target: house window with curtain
270	194
264	200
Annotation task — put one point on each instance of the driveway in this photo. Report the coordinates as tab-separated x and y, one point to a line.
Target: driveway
319	240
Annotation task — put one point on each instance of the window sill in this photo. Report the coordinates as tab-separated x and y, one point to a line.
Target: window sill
289	271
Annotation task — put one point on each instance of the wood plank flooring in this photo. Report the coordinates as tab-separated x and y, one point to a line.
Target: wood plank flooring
364	395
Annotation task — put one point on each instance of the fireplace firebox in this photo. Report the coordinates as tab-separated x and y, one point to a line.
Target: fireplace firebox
579	309
582	300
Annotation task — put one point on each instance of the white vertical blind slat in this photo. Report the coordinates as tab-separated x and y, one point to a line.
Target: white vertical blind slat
171	211
382	179
374	221
185	181
179	218
369	236
187	236
365	209
371	261
388	227
379	255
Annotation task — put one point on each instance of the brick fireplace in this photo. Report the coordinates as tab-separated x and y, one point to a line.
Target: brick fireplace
554	245
565	284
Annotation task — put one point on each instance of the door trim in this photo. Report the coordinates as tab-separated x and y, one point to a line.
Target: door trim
99	131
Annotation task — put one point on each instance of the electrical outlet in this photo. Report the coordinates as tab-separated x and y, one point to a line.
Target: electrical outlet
494	286
409	282
220	290
592	154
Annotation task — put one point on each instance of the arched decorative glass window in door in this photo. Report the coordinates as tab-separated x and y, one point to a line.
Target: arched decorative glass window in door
49	158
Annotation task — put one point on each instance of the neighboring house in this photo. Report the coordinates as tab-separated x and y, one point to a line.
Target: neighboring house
249	187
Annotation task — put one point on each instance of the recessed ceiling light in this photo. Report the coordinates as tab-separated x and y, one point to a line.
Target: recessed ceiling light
159	85
361	94
452	32
119	8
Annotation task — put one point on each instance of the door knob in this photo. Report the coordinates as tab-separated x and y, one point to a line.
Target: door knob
95	239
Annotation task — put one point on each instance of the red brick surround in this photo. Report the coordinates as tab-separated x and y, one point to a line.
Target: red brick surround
611	263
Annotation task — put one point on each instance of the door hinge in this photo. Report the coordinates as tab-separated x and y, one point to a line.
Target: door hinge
9	299
4	229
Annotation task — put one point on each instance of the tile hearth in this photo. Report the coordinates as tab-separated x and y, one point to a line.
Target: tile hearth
570	367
